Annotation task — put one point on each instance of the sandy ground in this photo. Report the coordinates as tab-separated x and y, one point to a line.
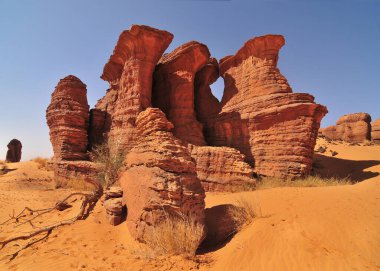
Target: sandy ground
321	228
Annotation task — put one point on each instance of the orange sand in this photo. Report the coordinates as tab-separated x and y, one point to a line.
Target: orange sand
322	228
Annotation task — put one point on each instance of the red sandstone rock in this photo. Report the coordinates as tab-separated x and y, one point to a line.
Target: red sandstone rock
114	210
375	133
68	118
222	169
96	132
173	90
160	178
260	116
14	151
129	72
73	173
352	128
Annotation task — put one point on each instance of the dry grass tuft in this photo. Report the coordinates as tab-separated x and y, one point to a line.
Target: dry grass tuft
77	184
309	181
175	235
3	167
245	212
42	163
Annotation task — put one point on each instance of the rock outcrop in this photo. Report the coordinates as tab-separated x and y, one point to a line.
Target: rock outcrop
260	116
222	169
173	90
160	178
68	119
14	151
114	205
129	72
73	173
352	128
375	132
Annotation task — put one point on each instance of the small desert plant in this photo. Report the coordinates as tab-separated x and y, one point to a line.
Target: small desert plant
109	158
175	235
245	211
367	143
309	181
41	162
3	168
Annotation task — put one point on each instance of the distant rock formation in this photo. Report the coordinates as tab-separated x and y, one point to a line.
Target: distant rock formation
173	90
14	151
68	118
352	128
375	133
160	177
222	169
260	116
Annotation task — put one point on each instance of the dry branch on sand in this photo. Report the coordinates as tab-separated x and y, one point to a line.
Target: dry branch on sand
88	202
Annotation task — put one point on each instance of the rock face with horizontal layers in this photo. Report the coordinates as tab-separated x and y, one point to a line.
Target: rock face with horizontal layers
68	119
14	151
160	178
173	90
375	132
352	128
222	169
129	72
260	116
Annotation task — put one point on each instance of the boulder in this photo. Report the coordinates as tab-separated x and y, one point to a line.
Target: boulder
222	169
375	133
114	210
351	128
159	178
68	119
173	89
14	151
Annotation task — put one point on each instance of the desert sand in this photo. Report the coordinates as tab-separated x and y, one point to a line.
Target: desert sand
299	228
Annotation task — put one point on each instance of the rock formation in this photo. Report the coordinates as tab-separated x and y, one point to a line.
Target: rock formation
222	169
129	72
160	178
68	118
14	151
260	116
173	90
352	128
375	132
114	205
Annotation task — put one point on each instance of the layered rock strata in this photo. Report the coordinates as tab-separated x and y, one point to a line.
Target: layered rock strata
129	72
68	119
222	169
114	205
160	177
260	116
173	90
352	128
375	132
14	151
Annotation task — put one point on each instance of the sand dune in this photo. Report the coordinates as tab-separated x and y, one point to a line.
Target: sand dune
321	228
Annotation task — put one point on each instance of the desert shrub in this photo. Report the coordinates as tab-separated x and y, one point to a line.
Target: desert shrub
309	181
175	235
245	211
367	143
109	158
3	167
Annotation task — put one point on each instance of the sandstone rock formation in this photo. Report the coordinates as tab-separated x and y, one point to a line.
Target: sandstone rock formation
68	118
14	151
129	72
352	128
260	116
375	132
114	210
72	173
173	90
222	169
160	178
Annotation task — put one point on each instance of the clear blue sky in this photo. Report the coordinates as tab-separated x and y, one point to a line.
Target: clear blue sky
332	50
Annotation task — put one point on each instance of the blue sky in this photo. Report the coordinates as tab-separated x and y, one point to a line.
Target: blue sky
332	50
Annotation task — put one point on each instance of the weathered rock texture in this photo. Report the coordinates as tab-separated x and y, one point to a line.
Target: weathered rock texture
173	90
73	173
129	72
14	151
260	116
68	118
352	128
160	178
375	132
114	210
222	169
